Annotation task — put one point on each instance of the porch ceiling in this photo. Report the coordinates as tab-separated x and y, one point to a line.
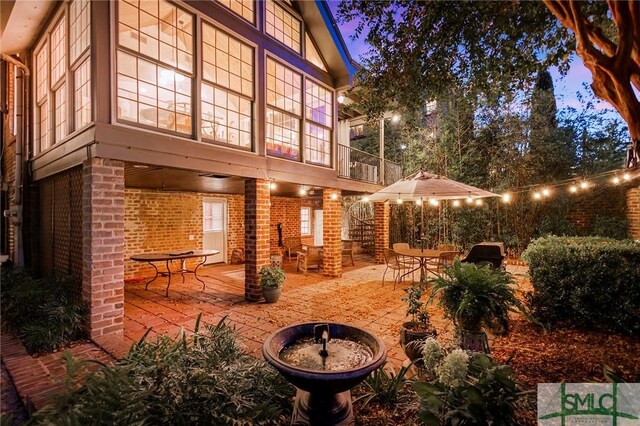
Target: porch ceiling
172	179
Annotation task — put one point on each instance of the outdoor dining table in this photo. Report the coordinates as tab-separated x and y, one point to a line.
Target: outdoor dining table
150	258
422	256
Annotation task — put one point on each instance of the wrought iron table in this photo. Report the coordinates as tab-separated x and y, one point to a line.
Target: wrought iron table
150	258
422	256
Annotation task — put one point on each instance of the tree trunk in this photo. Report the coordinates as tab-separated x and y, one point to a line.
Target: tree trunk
615	68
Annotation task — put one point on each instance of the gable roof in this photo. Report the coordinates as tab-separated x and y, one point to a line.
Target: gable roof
325	32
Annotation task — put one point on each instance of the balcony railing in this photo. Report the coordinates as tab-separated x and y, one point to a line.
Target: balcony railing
359	165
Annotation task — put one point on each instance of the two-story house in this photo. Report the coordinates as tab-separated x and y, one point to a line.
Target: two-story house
154	125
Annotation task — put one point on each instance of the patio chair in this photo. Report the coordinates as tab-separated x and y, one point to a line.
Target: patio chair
347	250
406	260
311	258
291	246
392	262
485	254
445	260
447	247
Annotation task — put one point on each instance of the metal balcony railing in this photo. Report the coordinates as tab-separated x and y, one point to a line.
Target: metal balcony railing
365	167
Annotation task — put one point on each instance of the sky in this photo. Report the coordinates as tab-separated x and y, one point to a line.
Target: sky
566	88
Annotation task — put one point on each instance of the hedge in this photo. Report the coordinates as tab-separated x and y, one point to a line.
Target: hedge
585	281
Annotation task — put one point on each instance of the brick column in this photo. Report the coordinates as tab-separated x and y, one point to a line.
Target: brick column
256	235
633	212
381	229
103	244
332	232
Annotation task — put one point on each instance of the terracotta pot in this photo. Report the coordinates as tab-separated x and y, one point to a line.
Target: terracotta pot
412	336
271	295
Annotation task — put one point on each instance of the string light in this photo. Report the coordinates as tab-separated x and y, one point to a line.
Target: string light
478	202
626	176
395	118
303	191
573	189
537	196
469	200
433	202
506	198
615	180
399	201
456	203
418	202
584	184
273	185
546	192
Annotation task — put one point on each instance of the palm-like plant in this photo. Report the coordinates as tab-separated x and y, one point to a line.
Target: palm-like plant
477	297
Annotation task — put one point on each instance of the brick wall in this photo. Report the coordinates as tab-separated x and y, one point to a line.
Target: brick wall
332	232
257	239
161	221
633	212
286	211
600	201
381	229
60	223
103	244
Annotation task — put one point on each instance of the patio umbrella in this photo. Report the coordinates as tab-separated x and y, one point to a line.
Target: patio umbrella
424	186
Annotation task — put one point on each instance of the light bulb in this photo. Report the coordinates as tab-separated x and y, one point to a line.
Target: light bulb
334	196
546	192
395	118
573	189
615	180
506	198
418	202
456	203
584	184
537	196
340	99
433	202
399	201
365	199
303	192
273	185
626	176
469	200
478	202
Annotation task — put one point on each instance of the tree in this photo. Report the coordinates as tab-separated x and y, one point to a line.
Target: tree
421	49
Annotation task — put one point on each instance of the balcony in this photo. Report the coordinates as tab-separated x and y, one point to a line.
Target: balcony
359	165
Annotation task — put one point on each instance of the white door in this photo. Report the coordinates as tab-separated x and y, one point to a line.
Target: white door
214	224
317	227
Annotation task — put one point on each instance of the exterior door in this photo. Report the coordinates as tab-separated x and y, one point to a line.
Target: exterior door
214	223
317	227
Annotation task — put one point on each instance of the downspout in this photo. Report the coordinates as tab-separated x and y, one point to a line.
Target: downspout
16	212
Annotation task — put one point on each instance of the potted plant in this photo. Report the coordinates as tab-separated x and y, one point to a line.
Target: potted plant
476	298
271	279
413	333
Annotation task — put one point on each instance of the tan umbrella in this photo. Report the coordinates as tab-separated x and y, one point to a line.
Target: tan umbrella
424	186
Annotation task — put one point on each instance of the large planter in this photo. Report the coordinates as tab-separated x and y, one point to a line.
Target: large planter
475	341
271	295
413	335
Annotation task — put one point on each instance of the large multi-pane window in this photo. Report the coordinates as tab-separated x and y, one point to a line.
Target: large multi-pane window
60	73
318	114
82	94
155	64
243	8
227	88
282	25
312	53
284	110
42	90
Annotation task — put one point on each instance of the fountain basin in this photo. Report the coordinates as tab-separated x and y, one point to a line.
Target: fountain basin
324	381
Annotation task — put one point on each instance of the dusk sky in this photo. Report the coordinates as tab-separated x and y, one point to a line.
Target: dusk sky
565	88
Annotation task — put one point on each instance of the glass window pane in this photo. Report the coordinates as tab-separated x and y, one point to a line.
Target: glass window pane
283	134
319	106
58	46
284	88
42	82
43	126
82	98
243	8
79	28
282	26
60	118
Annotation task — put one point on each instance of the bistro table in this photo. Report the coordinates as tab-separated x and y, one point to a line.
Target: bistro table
422	256
150	258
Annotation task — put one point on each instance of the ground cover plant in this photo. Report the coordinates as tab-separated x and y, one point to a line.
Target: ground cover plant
586	282
204	379
45	314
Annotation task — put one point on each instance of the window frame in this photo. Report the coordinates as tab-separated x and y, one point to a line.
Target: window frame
192	76
312	122
287	8
309	221
255	10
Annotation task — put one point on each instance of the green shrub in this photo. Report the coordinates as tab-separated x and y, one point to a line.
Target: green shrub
585	281
462	388
205	379
610	227
44	314
385	386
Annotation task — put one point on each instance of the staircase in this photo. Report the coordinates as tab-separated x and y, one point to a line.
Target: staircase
362	231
